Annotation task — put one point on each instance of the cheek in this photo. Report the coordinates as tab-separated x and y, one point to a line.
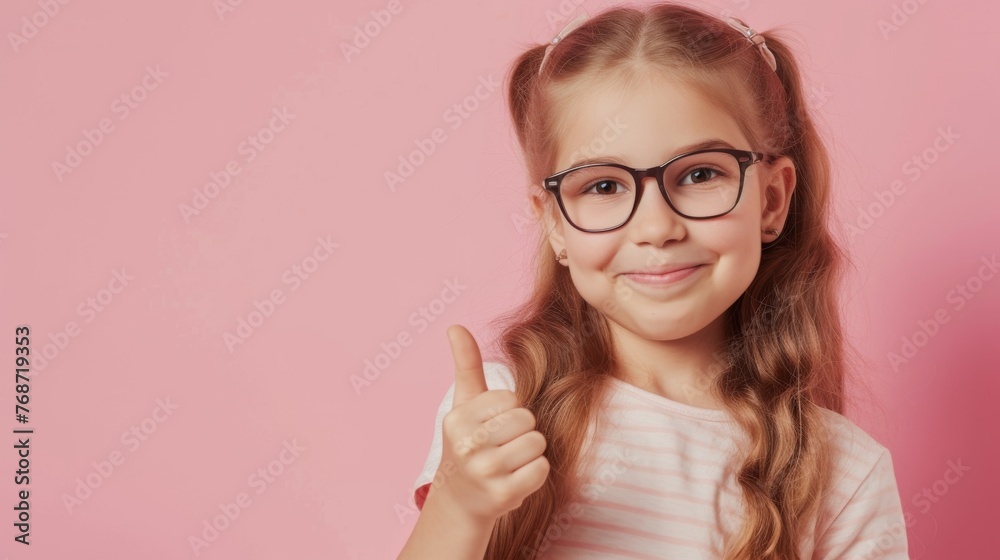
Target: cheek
591	256
736	241
740	241
591	252
739	231
739	254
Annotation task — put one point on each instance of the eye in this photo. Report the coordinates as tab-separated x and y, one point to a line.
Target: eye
603	187
703	174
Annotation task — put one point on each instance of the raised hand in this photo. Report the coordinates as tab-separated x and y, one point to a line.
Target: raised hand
492	457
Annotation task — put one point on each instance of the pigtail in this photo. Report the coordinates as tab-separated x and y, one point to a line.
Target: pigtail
521	82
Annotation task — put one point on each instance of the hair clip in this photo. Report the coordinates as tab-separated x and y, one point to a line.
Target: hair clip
754	38
560	36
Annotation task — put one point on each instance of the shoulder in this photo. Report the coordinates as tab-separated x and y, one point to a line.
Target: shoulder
863	511
854	449
862	468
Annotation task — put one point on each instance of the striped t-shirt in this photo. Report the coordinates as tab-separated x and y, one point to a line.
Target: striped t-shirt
662	484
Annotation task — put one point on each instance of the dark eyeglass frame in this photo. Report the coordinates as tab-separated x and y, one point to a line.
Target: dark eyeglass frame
745	158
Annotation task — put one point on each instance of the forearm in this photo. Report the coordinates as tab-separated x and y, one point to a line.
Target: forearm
442	532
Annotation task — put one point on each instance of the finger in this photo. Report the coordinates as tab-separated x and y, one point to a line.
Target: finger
492	404
498	431
470	379
508	426
529	478
521	450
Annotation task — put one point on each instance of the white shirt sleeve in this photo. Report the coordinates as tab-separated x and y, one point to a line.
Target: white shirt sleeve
871	526
498	376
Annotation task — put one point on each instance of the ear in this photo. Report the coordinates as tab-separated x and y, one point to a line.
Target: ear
777	185
547	212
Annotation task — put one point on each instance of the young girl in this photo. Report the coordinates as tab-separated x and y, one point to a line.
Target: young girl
674	387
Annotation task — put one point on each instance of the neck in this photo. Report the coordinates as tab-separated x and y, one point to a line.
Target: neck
683	370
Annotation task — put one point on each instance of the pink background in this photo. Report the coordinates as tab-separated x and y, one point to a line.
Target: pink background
66	236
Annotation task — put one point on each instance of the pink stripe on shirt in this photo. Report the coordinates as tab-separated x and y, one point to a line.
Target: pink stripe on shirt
662	484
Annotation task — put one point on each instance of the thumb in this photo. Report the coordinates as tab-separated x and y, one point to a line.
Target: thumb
470	379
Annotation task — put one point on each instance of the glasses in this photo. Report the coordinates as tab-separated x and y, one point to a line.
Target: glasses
598	197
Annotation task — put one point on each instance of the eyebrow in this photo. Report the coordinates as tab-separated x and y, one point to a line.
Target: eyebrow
703	145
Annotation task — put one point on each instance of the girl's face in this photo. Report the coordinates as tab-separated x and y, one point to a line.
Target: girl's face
645	127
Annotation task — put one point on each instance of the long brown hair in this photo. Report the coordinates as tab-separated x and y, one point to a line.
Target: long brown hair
785	347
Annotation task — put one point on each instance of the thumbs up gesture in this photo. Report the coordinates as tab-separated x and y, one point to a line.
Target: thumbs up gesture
491	449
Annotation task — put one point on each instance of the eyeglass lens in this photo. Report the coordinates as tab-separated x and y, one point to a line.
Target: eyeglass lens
698	185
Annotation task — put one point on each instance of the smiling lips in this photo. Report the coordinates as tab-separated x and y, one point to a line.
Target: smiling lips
663	275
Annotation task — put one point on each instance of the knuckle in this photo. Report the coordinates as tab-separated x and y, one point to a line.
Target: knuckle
507	398
542	472
538	439
529	417
451	422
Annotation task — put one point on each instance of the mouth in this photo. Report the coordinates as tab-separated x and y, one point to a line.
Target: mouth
664	278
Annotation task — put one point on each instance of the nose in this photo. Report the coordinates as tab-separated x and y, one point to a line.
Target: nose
654	220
